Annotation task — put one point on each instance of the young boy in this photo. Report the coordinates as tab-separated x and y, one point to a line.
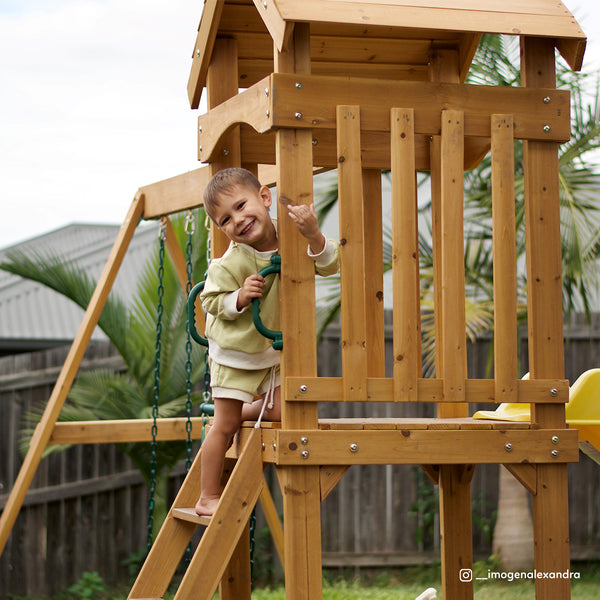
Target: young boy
243	364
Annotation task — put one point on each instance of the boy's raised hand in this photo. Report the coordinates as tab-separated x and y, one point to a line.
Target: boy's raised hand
305	218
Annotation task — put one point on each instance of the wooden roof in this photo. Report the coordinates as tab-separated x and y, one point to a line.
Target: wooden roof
388	39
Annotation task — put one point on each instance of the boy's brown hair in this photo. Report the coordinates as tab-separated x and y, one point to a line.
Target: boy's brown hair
223	181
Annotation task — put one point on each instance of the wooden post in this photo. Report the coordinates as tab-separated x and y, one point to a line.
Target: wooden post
544	301
300	485
222	84
43	431
456	534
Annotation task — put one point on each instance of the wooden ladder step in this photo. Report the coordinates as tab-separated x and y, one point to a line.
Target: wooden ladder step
189	514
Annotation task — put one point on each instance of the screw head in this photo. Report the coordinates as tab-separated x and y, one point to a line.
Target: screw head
546	128
200	148
299	85
197	51
555	439
304	454
315	141
199	128
298	116
554	453
508	447
304	440
225	152
547	100
265	4
554	392
263	445
267	92
354	447
268	112
274	446
303	388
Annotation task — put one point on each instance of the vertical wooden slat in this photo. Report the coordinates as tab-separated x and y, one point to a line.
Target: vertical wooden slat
373	250
453	272
300	485
405	256
544	303
352	268
436	247
505	259
222	84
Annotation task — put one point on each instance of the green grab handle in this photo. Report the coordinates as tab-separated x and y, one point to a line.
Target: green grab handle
191	308
276	336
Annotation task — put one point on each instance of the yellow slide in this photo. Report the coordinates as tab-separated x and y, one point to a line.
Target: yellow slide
582	412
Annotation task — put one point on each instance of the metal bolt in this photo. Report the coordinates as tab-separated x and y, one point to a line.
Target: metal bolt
354	447
200	129
508	447
304	440
547	100
554	453
225	152
197	51
265	4
298	85
267	92
315	141
555	439
274	446
268	112
304	454
547	128
200	148
298	116
303	388
554	392
263	446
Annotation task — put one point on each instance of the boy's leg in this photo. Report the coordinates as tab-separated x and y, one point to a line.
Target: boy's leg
225	425
251	412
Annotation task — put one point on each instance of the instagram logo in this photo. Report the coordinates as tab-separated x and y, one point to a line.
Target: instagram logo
465	575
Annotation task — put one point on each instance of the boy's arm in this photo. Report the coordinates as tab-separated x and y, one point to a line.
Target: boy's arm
324	252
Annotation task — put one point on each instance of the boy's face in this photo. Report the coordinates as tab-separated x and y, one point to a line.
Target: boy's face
243	216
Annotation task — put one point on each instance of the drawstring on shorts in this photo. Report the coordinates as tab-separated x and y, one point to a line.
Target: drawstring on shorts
269	396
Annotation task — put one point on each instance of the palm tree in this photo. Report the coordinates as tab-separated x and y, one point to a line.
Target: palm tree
106	394
495	64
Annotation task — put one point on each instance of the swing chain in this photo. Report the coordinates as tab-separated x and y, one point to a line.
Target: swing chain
189	228
159	313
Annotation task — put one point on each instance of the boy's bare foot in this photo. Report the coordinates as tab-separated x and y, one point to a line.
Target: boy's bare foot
206	506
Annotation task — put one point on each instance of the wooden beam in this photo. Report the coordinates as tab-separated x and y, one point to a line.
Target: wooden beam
380	389
43	431
409	446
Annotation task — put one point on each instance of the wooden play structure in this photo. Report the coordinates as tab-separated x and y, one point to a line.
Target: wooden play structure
294	87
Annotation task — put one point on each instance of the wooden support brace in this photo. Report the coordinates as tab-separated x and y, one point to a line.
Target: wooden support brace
43	431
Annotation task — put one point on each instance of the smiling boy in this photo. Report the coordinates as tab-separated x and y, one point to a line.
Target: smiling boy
243	364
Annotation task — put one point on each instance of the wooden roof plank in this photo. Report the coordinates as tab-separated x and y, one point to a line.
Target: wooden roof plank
205	40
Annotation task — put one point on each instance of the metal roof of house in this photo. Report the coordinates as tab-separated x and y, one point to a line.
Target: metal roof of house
33	316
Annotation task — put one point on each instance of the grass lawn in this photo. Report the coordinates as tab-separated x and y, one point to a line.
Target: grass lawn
407	584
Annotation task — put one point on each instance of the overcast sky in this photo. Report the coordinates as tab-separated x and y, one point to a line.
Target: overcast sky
93	105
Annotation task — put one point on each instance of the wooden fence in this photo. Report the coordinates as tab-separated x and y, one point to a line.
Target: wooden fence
87	507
